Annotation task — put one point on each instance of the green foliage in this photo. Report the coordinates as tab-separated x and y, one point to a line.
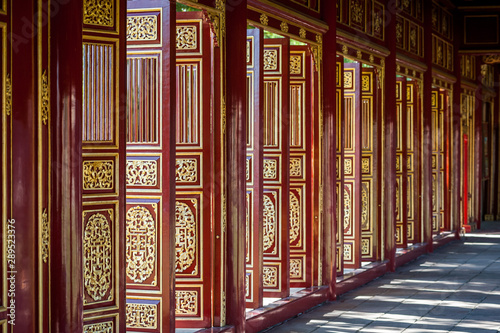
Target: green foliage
183	8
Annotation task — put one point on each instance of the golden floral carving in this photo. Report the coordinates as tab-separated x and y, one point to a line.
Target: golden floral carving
284	26
144	27
106	327
270	60
264	19
365	246
347	210
348	167
295	217
377	23
99	12
97	256
364	207
270	223
365	83
365	165
185	237
345	49
140	244
295	268
8	95
295	64
399	32
270	276
347	252
45	107
97	175
186	170
413	38
371	59
142	316
302	33
348	83
270	169
319	39
357	11
186	302
186	38
359	54
295	167
141	173
45	236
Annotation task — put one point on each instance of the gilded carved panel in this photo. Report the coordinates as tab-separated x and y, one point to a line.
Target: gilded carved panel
186	234
97	256
142	28
186	38
142	172
142	315
99	12
186	302
98	175
141	251
106	327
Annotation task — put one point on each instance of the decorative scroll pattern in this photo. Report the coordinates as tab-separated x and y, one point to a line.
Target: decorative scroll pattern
270	276
106	327
357	11
365	165
264	19
247	169
186	170
295	268
347	252
140	244
141	173
142	316
284	27
186	302
270	60
99	12
347	209
348	80
365	206
97	256
8	95
269	223
97	175
186	38
365	246
295	167
348	166
185	237
295	220
142	28
45	98
295	64
45	236
366	16
270	169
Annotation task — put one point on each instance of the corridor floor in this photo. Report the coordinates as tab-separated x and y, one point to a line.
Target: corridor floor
454	289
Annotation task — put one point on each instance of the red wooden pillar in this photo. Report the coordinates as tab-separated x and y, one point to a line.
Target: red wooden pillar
236	160
425	167
390	137
477	132
456	139
329	149
66	114
21	270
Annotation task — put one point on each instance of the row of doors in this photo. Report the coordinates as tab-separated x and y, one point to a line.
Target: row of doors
282	168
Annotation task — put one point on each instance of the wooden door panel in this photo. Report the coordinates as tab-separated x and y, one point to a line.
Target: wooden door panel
147	211
339	166
369	151
401	164
254	168
301	181
194	207
412	155
103	164
352	166
276	168
435	163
